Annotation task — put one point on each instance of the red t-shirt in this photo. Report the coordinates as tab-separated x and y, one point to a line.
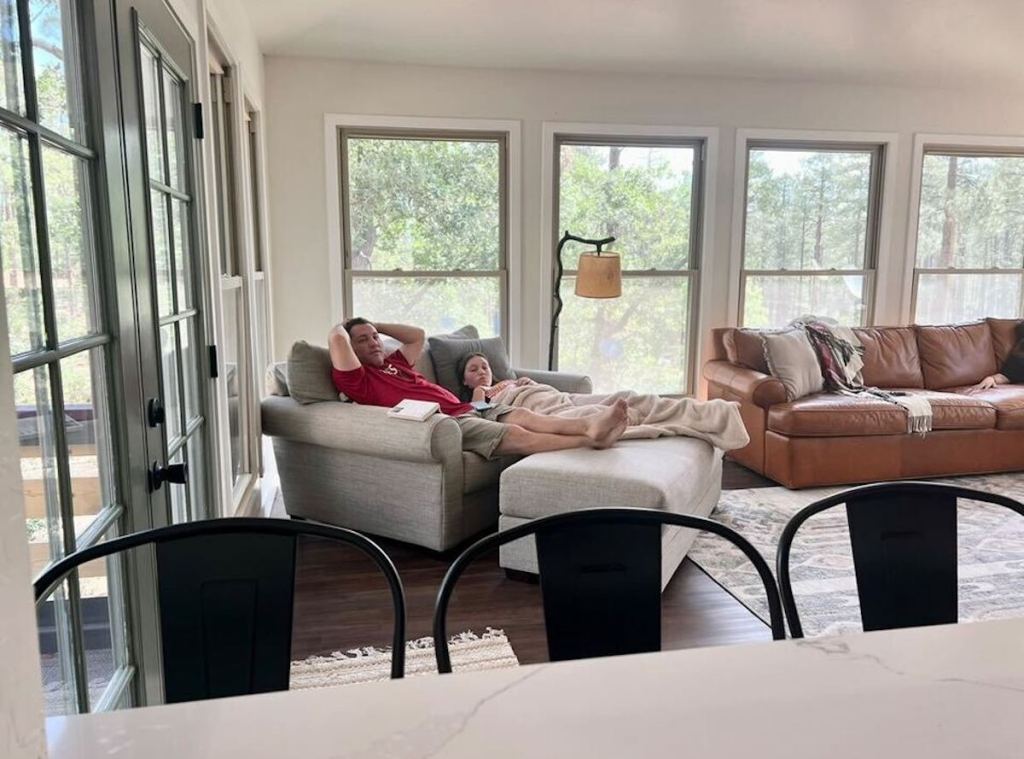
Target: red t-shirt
394	382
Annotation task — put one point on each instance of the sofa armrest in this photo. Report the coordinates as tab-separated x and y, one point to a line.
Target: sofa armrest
760	389
363	429
564	381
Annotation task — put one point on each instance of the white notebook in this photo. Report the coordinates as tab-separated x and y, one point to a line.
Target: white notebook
416	411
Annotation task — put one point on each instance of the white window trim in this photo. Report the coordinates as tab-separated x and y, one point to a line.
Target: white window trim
704	262
922	142
334	122
885	297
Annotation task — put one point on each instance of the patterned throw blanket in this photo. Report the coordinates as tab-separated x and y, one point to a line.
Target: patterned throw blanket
840	354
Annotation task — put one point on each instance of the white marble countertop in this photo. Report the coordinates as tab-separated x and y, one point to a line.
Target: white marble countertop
951	691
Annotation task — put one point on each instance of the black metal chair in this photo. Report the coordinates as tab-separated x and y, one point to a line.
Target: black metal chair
600	578
904	541
225	592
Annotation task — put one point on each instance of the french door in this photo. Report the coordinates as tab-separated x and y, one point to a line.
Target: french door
100	264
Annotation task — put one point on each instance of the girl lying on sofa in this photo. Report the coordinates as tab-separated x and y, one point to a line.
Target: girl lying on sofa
717	421
1012	371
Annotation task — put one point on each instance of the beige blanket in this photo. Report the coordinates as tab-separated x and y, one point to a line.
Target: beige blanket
650	416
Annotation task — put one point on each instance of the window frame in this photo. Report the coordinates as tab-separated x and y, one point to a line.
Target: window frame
877	195
691	271
349	275
945	144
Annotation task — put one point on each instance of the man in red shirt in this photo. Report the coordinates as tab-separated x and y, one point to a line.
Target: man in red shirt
363	372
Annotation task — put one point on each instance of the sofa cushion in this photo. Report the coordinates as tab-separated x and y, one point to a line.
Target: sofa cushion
309	374
479	473
956	355
445	352
1004	336
833	415
276	378
746	348
1008	401
792	361
890	357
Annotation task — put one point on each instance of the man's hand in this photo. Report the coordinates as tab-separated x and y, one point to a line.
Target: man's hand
342	356
411	338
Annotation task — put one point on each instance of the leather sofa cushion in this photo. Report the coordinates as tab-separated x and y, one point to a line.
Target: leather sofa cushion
833	415
746	348
956	355
1004	336
890	357
1008	401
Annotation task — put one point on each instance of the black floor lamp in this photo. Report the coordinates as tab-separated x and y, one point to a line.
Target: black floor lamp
599	275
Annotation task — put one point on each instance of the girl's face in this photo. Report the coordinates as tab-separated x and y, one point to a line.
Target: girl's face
477	373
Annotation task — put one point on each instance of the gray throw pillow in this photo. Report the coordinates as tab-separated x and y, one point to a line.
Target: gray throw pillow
309	374
792	360
445	353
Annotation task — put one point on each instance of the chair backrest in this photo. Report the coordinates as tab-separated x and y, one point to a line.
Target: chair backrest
903	536
600	577
225	593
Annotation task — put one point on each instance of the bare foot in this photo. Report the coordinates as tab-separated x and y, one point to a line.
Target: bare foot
607	427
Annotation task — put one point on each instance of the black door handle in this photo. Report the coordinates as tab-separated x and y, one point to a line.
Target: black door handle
158	475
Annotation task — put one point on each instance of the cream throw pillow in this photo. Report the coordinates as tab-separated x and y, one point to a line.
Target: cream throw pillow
792	360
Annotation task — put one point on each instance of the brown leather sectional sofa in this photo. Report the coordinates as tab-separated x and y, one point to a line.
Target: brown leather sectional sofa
831	439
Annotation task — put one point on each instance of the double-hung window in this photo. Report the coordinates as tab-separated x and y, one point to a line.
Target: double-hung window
810	231
969	259
645	192
424	218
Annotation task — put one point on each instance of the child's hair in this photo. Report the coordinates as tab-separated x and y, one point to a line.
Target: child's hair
465	392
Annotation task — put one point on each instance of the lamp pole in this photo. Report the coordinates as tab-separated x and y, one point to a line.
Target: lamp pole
558	286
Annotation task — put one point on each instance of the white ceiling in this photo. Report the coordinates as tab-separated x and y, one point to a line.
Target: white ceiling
943	43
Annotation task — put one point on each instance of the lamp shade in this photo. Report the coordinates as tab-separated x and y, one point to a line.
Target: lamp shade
599	275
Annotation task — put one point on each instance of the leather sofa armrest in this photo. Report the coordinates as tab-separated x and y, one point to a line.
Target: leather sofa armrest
363	429
760	389
567	383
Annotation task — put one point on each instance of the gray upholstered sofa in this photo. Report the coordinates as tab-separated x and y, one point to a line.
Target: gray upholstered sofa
355	467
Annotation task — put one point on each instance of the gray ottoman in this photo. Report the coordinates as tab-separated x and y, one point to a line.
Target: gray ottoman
672	473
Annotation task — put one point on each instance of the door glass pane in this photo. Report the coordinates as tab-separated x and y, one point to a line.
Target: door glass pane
12	95
53	620
175	129
438	304
55	56
639	194
772	301
37	446
171	394
87	429
18	246
69	218
638	341
151	113
182	259
952	298
432	205
190	366
162	253
102	619
233	341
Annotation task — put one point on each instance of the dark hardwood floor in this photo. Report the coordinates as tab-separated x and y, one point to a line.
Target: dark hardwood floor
341	600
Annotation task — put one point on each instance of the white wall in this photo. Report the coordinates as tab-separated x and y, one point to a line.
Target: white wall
21	699
300	91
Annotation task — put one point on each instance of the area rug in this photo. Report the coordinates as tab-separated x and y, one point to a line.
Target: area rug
469	652
990	547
